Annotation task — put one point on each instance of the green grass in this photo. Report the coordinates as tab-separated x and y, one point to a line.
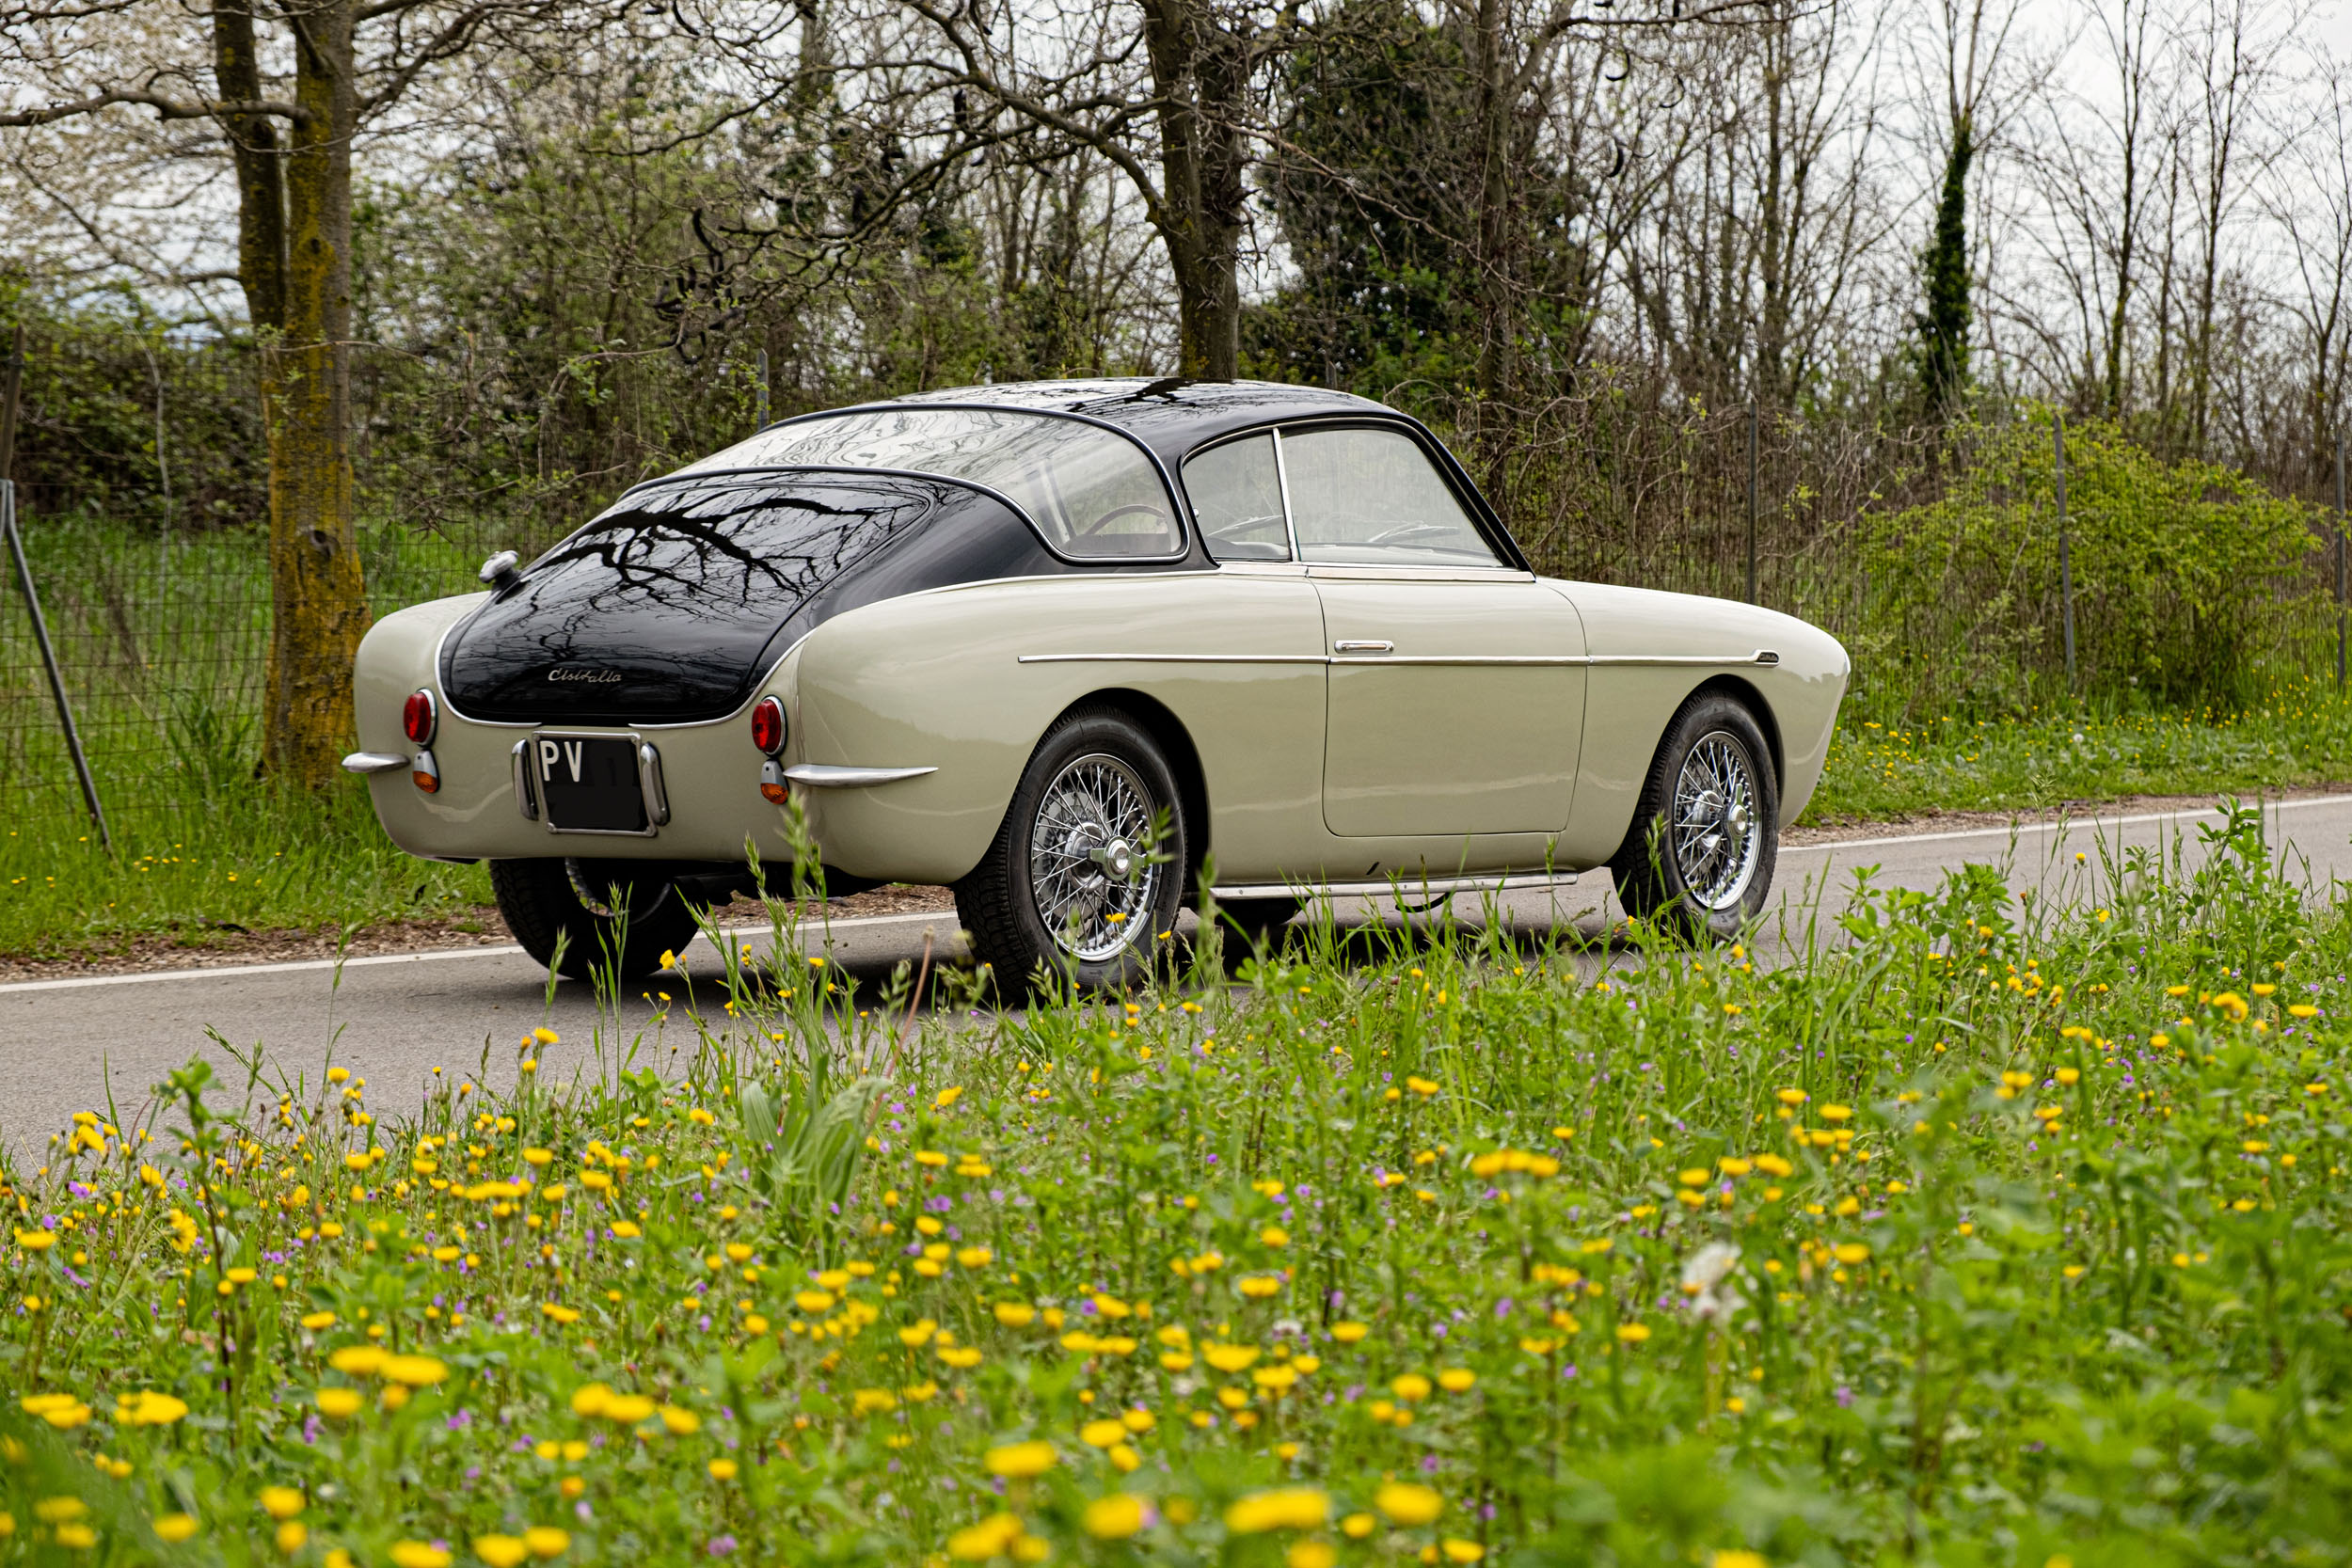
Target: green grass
2301	735
1988	1238
187	864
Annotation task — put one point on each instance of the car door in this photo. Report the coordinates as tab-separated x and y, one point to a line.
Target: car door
1454	698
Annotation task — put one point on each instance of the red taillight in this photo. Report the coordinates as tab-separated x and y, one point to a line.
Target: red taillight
419	718
767	730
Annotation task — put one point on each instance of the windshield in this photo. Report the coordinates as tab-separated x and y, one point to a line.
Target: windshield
1091	492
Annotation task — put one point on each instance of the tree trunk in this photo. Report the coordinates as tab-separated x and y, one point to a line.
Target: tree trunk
319	607
1201	73
260	187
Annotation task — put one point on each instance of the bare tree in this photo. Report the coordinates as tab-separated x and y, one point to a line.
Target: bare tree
351	62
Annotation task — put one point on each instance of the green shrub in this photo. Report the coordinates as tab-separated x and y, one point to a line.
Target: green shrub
2189	579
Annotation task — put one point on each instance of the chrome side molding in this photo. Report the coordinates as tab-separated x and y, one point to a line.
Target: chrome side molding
1403	884
819	775
375	762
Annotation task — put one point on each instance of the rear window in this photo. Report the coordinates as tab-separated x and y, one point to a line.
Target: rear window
1089	492
666	607
749	544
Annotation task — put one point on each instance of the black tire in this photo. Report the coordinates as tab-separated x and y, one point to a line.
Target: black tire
1256	920
1000	901
1654	876
543	900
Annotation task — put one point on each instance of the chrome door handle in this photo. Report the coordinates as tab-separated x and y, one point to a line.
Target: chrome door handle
1362	645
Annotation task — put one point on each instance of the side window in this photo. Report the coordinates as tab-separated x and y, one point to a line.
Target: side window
1237	497
1372	498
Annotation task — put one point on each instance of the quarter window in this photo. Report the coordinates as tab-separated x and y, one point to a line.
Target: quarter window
1238	501
1372	498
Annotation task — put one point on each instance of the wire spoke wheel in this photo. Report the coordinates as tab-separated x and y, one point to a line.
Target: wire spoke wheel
1713	831
1092	870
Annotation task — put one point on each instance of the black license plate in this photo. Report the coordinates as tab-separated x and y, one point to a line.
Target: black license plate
589	784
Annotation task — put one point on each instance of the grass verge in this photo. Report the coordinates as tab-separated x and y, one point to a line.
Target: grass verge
1984	1238
206	864
1879	772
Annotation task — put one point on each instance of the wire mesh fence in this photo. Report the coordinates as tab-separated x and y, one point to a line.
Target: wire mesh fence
1932	552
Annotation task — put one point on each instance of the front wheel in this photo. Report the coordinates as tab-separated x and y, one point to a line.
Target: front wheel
604	915
1088	870
1700	853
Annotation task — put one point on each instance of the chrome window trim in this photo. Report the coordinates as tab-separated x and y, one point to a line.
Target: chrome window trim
1282	482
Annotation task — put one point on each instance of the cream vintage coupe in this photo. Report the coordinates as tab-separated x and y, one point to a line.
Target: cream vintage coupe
1063	646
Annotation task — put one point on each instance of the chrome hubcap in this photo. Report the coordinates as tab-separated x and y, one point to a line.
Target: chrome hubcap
1715	836
1090	867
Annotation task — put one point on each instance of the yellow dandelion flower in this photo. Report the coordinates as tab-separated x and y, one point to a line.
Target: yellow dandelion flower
1283	1508
1407	1503
501	1551
1117	1516
1020	1461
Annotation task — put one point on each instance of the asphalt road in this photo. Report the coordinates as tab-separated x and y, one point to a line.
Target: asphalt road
394	1020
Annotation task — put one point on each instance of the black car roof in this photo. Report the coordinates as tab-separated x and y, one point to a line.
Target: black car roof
1170	414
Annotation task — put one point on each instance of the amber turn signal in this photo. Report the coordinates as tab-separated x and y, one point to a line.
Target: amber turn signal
425	773
772	788
768	726
419	718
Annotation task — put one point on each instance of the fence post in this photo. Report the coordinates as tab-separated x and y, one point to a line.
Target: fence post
11	387
2066	554
1752	421
762	394
2339	560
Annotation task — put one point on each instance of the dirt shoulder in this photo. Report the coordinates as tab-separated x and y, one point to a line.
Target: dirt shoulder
215	947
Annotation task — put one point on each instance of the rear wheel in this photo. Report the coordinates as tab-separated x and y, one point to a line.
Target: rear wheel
605	915
1088	869
1700	853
